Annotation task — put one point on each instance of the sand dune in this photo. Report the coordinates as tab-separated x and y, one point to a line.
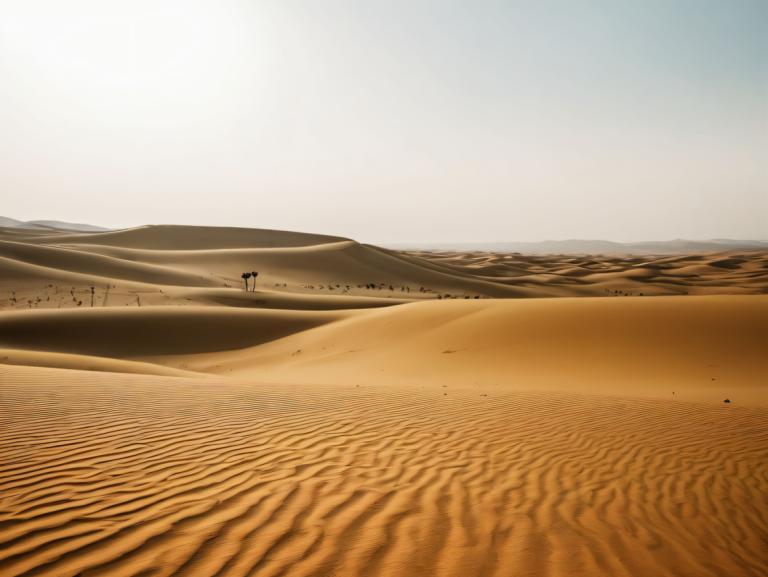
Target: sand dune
728	272
188	237
697	348
143	265
86	263
367	412
149	261
589	247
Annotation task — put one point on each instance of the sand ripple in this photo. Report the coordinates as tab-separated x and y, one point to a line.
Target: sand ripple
103	474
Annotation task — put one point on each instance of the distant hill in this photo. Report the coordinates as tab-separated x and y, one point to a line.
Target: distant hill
49	224
578	246
13	223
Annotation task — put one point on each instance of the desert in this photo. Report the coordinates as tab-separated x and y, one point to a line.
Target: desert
364	411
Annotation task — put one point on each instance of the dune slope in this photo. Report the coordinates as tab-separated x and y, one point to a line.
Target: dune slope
130	332
700	348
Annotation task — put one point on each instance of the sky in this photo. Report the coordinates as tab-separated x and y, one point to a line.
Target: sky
395	121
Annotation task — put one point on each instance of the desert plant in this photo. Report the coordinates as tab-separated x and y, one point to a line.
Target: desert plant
245	276
254	274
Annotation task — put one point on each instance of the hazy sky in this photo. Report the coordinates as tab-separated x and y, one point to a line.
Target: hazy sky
390	121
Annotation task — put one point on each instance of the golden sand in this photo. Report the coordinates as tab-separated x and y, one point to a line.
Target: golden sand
321	426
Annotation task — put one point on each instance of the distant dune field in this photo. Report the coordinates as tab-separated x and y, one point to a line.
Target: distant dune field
721	272
364	412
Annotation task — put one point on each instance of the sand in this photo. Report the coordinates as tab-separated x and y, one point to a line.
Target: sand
726	272
198	265
184	426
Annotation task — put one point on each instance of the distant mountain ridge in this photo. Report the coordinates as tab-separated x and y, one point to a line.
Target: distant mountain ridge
7	222
584	246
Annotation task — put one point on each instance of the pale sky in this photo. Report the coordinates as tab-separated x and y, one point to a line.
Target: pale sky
392	121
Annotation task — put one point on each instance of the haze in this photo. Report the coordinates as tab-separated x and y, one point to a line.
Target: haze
390	122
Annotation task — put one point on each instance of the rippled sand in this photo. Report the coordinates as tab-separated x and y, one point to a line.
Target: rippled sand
106	474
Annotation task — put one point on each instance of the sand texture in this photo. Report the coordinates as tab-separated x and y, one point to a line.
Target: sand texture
361	413
126	475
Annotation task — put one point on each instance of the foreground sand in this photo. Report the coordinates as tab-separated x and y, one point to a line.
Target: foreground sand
106	474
